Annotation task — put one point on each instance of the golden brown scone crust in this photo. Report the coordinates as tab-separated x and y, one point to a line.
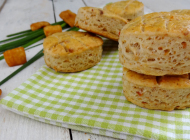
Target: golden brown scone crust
95	20
156	44
153	92
181	12
72	51
128	9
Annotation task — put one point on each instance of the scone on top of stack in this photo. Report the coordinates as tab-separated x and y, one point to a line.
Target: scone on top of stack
108	21
154	50
72	51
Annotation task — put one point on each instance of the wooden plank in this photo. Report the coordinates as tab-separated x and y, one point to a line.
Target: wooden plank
17	16
62	5
23	128
77	135
98	3
166	5
2	3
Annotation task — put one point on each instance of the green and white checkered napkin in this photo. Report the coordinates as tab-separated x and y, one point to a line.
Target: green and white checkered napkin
92	101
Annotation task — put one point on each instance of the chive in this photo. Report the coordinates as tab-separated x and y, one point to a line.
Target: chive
12	38
34	41
13	46
33	32
73	29
26	31
33	46
27	44
1	57
36	57
63	25
58	23
20	42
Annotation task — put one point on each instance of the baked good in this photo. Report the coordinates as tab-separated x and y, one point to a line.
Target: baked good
37	25
181	11
128	9
72	51
107	22
96	21
157	92
51	29
68	17
156	44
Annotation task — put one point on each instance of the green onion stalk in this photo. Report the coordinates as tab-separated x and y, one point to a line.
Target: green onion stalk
28	31
33	59
30	36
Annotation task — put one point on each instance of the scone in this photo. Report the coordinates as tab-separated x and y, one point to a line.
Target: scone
96	21
128	9
182	11
107	22
156	44
72	51
157	92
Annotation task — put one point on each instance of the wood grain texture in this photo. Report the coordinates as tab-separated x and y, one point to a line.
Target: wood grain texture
17	16
98	3
77	135
62	5
166	5
2	3
23	128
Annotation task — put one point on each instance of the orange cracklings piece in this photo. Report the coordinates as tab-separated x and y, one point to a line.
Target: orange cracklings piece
38	25
49	30
68	17
0	92
16	56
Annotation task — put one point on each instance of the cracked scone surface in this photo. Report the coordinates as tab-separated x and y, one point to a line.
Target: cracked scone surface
157	92
128	9
95	20
156	44
72	51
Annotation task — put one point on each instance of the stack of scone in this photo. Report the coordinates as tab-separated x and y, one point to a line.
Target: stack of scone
154	50
108	21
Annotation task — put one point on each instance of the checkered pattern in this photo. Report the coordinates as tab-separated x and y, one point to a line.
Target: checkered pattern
92	101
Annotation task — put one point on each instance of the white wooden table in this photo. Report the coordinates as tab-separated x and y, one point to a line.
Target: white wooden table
17	15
